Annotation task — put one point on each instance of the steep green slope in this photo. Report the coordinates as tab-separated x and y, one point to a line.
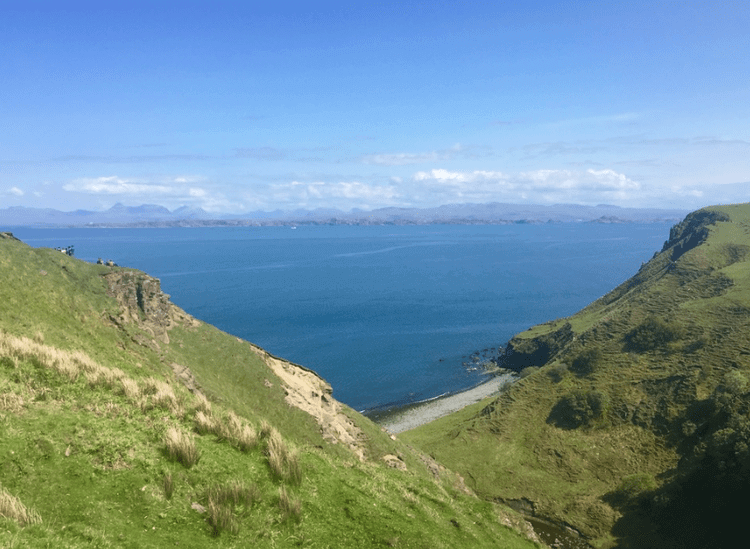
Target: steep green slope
124	422
629	405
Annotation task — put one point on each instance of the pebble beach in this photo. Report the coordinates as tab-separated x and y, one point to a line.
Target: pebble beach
415	415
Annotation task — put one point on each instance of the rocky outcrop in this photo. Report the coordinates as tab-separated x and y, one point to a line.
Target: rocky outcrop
522	352
141	300
691	231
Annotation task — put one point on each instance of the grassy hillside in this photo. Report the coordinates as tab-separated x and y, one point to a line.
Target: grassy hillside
632	420
124	422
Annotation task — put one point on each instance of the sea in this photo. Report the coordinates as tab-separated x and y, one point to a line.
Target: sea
389	315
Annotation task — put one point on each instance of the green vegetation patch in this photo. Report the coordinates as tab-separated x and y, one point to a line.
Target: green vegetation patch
93	412
639	403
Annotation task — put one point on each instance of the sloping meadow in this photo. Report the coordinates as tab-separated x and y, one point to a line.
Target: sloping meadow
127	423
629	405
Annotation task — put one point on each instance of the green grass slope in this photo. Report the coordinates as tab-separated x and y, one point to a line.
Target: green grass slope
632	421
124	422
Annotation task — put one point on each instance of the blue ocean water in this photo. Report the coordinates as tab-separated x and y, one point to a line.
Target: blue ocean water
386	314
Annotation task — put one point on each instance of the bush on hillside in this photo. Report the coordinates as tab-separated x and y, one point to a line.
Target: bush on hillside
579	409
556	372
586	361
653	333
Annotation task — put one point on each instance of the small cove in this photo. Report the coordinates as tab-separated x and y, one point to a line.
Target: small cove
388	315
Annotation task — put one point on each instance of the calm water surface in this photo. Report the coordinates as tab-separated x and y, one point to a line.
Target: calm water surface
386	314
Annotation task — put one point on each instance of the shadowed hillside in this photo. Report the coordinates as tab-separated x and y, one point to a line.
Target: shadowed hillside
125	422
632	420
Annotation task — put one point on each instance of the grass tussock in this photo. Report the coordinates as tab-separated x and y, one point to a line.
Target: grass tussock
204	423
234	493
226	501
150	393
221	518
239	432
69	364
11	402
161	395
291	506
104	377
231	428
130	388
181	447
202	404
283	461
168	486
12	508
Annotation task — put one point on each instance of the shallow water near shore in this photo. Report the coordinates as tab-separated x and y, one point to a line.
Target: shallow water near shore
388	315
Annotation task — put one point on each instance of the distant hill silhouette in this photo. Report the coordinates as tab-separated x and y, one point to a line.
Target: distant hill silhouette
465	214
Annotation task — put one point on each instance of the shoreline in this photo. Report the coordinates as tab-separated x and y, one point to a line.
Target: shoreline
414	415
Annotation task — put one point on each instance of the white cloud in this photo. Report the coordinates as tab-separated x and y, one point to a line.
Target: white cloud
115	185
444	176
543	186
13	191
171	192
342	194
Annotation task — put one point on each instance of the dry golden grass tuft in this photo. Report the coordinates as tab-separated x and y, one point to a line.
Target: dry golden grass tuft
265	429
181	447
162	395
283	461
104	377
11	402
247	438
67	363
12	508
239	432
202	404
204	423
148	394
130	388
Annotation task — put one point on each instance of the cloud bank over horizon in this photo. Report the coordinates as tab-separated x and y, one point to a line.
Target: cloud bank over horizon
424	189
235	108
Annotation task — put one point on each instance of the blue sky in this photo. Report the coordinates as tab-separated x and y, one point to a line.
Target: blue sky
241	106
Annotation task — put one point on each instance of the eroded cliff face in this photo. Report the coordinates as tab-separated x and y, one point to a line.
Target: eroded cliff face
143	303
310	393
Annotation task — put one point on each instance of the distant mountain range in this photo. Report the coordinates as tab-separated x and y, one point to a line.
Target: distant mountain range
149	215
